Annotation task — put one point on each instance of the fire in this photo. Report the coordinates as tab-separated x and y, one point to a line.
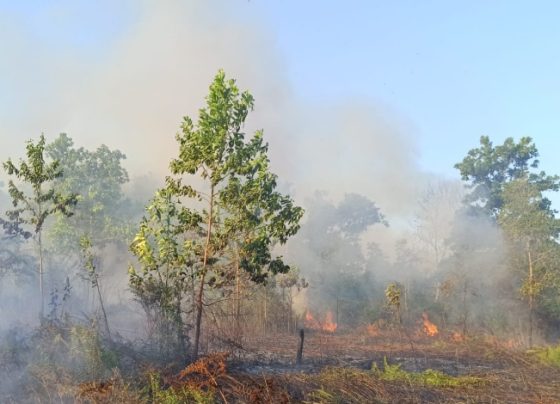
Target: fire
373	330
310	321
429	328
457	337
328	325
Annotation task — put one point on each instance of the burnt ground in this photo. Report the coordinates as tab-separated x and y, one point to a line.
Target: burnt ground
337	368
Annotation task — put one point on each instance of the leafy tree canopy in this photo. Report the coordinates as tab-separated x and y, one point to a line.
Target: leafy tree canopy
96	177
488	168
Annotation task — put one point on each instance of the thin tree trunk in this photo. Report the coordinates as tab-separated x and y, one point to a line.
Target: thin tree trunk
337	311
465	310
290	304
531	300
237	300
103	310
265	309
199	303
283	320
41	285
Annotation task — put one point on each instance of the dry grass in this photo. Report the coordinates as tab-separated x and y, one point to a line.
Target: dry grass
336	369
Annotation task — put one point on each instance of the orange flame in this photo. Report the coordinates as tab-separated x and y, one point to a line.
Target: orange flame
457	337
429	328
373	330
310	321
328	325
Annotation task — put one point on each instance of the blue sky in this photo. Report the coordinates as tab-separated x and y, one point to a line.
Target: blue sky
455	70
449	71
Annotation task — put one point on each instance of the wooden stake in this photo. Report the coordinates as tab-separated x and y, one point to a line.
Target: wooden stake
299	357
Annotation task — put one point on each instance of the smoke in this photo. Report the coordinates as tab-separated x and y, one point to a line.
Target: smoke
131	91
131	88
133	94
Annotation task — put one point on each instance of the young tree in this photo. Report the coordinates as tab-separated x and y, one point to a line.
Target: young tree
89	263
43	201
238	208
164	254
393	296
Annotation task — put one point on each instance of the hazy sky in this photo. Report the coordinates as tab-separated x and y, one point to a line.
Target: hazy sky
343	88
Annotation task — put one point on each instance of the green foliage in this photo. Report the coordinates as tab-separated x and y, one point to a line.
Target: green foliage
15	260
488	168
86	349
96	177
428	377
243	209
322	396
548	355
165	257
506	188
176	395
92	274
329	246
525	215
44	200
393	296
234	216
531	229
70	350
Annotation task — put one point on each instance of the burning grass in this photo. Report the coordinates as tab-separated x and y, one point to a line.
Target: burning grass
327	325
389	365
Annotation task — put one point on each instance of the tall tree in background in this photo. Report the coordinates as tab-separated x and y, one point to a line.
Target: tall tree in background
329	247
488	168
433	221
43	201
531	229
507	188
235	205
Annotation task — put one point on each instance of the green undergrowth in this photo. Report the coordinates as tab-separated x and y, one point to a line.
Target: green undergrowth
176	395
429	377
548	355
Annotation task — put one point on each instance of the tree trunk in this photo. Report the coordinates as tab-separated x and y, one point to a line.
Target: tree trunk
290	306
337	311
237	300
299	355
199	297
103	311
465	310
41	285
265	309
531	300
